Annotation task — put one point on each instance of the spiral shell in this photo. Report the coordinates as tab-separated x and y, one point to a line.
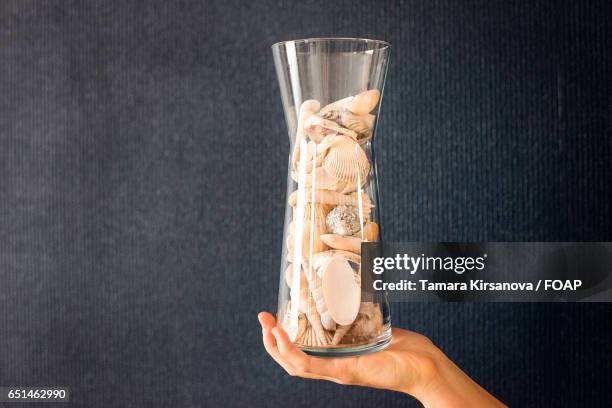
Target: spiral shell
347	162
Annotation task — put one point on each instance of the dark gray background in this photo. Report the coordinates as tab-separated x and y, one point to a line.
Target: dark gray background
142	184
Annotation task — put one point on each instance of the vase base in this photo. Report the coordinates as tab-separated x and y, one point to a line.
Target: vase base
349	351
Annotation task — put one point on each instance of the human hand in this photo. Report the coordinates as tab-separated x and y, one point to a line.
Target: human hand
411	364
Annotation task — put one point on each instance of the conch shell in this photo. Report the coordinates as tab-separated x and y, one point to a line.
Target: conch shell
308	307
314	285
339	334
352	244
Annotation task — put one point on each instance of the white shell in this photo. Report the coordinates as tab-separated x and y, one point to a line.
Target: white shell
341	291
322	258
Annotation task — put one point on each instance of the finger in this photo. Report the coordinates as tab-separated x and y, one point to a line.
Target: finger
266	320
306	366
272	349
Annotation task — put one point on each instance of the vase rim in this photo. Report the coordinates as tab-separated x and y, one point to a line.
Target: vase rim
377	44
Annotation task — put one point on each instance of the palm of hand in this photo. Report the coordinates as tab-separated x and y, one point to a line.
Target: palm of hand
409	360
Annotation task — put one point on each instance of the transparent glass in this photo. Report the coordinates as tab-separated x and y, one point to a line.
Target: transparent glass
331	90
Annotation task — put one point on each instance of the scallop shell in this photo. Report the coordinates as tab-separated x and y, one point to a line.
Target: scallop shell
347	162
364	102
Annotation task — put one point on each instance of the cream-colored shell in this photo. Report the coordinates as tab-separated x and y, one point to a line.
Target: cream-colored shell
334	198
317	128
347	162
364	102
352	244
307	109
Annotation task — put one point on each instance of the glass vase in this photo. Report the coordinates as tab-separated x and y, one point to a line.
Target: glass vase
331	90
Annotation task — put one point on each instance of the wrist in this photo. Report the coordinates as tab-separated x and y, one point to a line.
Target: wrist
443	384
436	387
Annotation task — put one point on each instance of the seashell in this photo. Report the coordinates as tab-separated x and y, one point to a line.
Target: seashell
347	162
352	244
369	232
369	120
343	220
317	128
311	338
341	291
334	198
309	308
362	125
335	106
339	334
363	202
311	228
364	102
314	285
294	329
307	109
327	322
368	322
321	258
358	124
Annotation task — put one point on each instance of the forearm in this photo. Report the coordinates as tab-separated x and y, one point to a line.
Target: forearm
451	387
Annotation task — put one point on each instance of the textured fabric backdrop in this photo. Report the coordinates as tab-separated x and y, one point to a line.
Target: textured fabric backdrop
142	187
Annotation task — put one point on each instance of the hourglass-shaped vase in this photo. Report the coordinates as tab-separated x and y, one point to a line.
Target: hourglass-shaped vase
331	90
